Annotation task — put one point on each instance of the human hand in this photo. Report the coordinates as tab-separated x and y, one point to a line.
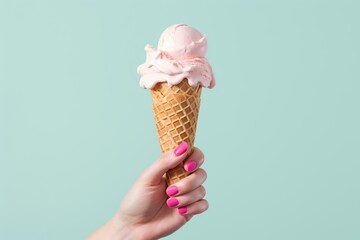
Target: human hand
147	212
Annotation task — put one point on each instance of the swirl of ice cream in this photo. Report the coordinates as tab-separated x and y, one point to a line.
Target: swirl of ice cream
180	54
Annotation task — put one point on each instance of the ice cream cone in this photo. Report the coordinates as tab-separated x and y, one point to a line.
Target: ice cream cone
176	110
175	72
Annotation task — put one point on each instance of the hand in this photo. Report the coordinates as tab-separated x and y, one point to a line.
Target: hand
147	212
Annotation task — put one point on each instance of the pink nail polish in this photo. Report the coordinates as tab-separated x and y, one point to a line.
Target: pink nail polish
172	202
172	190
182	148
190	166
182	210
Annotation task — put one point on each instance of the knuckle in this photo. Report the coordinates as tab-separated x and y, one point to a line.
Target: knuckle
188	217
202	191
200	154
203	174
165	156
205	206
167	159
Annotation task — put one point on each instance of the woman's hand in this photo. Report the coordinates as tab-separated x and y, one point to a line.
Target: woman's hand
150	210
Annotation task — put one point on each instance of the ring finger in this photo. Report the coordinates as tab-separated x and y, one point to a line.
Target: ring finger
187	199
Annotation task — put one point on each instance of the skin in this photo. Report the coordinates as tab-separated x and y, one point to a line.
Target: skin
144	213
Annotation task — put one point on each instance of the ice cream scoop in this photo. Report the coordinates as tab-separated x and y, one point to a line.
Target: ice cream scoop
180	54
182	42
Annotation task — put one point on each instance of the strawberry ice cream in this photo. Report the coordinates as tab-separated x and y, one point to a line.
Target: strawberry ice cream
180	55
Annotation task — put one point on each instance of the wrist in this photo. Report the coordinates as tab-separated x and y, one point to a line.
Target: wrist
121	231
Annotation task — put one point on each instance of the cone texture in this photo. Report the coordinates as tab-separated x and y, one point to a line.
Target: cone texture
176	110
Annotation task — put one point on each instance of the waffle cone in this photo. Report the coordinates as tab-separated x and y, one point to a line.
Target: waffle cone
176	110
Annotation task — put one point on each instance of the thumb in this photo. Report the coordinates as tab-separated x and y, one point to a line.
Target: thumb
168	160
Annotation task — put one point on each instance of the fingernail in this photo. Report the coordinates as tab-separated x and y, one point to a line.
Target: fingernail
190	166
172	202
172	190
181	149
182	210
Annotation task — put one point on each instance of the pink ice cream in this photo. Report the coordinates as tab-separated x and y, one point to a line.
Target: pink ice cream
180	54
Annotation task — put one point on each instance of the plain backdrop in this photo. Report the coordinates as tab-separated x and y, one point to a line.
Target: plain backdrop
280	131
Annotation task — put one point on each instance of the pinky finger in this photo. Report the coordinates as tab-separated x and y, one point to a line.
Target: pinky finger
194	208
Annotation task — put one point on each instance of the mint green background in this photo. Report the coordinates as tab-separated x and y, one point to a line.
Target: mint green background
280	131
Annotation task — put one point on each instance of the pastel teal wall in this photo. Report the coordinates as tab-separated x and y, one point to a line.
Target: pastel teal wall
280	131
